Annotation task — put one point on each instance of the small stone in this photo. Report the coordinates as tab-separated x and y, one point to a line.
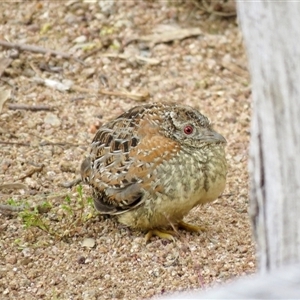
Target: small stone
89	243
52	120
66	166
243	249
80	39
11	259
81	260
88	72
5	292
25	261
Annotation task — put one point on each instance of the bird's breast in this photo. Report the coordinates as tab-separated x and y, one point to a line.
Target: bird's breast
192	178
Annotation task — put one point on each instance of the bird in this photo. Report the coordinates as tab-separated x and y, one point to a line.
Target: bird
154	163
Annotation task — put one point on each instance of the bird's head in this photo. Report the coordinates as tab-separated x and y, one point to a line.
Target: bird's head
188	126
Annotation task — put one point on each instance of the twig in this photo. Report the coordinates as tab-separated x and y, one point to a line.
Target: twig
14	143
132	58
70	184
30	107
14	186
142	96
84	57
46	143
37	49
7	209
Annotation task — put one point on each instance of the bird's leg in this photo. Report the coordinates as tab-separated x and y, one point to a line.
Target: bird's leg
190	227
163	234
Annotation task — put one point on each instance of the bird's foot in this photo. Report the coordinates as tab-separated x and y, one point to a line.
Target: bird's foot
190	227
163	234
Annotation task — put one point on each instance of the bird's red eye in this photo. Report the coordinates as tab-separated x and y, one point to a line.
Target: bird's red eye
188	129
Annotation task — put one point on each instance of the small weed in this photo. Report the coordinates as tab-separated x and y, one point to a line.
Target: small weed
32	218
66	206
84	204
14	203
61	220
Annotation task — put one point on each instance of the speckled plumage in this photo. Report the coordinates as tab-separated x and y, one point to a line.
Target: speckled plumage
147	168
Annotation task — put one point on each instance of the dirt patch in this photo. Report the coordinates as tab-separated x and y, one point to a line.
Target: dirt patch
44	148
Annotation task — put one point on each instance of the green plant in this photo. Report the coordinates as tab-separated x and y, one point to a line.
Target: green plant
34	217
84	205
65	218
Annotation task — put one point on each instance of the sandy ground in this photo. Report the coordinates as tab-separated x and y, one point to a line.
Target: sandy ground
58	247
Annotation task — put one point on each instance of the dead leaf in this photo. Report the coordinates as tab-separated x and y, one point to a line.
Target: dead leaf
62	87
4	63
169	36
57	85
4	95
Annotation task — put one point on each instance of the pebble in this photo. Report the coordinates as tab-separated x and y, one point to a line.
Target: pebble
88	242
80	39
11	259
52	120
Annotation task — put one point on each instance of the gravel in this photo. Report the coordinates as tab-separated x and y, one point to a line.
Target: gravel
43	149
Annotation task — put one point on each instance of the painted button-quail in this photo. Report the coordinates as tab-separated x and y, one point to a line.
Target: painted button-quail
151	165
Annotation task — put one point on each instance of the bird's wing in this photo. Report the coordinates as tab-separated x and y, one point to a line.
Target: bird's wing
122	160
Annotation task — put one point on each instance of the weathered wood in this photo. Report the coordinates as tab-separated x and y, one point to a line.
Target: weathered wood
271	32
283	284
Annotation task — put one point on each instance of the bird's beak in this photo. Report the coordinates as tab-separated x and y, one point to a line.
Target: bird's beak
211	136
